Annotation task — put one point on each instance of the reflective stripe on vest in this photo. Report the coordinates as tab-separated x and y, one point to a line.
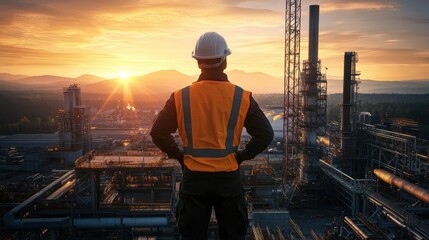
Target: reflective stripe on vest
232	122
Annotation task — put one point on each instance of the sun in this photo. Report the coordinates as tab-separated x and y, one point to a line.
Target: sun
124	76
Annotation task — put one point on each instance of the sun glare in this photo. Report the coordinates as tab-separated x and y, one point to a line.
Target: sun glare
124	76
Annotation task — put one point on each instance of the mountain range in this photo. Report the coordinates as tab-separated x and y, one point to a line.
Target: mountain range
161	83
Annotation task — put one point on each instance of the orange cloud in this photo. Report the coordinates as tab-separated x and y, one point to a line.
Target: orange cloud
358	5
104	36
12	55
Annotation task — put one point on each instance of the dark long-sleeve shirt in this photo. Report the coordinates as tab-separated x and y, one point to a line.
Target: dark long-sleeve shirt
256	124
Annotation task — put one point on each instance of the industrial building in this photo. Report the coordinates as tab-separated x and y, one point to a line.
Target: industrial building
74	121
126	195
377	176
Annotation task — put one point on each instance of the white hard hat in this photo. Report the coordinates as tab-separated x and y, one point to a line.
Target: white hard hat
211	45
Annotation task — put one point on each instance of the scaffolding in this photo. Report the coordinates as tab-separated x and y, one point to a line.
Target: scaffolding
312	120
291	110
318	89
129	194
262	186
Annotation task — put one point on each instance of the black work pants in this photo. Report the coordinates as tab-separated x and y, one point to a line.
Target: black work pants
199	193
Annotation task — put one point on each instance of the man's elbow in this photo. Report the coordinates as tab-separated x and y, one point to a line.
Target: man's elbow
271	133
266	138
270	137
154	134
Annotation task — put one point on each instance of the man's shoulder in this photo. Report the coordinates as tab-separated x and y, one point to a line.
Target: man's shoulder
180	90
243	89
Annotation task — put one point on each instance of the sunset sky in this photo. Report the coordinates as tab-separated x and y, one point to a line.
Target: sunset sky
112	37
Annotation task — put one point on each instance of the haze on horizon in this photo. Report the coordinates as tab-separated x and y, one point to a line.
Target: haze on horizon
113	37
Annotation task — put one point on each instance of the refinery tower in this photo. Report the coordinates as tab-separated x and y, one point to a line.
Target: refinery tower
73	121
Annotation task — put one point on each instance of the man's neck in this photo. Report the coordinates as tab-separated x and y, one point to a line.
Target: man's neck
212	74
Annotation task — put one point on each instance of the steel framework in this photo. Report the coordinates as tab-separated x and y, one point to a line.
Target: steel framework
291	109
110	195
362	197
313	91
398	152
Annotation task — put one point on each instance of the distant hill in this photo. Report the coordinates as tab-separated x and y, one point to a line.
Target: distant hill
44	79
44	82
88	79
51	79
156	86
403	87
11	77
371	86
161	83
253	81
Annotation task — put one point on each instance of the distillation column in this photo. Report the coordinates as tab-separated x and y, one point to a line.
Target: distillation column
73	120
312	120
349	113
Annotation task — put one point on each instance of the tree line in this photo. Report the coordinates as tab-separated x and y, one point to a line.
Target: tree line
35	112
413	106
28	112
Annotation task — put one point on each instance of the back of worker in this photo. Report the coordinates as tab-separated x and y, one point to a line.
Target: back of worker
210	115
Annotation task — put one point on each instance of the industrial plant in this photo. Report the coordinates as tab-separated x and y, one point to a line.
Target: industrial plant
373	180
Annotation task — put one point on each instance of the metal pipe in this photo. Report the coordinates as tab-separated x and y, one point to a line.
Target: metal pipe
394	219
342	174
323	141
118	222
67	222
67	185
355	228
416	235
418	192
9	217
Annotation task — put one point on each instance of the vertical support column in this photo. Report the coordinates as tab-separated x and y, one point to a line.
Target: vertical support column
354	200
121	187
21	235
173	193
94	182
97	190
54	234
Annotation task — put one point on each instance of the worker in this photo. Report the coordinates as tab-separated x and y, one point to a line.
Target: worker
209	116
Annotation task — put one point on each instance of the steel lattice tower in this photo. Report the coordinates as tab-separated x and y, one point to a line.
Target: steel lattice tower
291	109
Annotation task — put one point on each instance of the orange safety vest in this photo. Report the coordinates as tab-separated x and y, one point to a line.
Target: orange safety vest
210	117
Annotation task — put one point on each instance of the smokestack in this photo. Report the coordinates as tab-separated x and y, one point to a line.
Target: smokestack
347	81
313	38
